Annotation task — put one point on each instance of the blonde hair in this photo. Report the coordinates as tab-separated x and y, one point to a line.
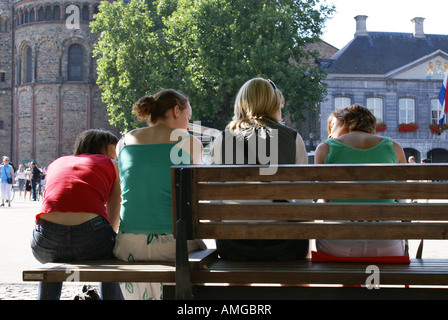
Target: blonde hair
258	99
356	117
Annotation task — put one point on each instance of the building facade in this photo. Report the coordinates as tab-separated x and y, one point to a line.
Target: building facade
396	75
49	93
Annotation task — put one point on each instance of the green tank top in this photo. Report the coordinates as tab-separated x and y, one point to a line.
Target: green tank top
340	153
383	152
146	186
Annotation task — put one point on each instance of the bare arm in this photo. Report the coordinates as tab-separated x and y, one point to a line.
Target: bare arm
401	157
114	201
320	156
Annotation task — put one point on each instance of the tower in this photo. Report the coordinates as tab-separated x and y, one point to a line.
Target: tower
54	94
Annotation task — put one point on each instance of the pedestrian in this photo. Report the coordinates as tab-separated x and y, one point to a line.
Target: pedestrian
21	179
7	180
35	178
28	182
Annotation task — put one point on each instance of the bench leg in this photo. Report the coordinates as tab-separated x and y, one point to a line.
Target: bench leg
183	276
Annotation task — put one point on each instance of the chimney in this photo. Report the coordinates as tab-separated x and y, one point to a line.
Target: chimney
361	26
418	27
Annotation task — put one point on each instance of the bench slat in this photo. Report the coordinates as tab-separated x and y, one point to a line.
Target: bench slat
323	211
418	272
338	172
307	190
103	271
324	230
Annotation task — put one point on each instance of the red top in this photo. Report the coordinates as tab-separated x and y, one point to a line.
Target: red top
79	184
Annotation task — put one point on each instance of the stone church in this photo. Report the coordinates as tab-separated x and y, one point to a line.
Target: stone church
48	91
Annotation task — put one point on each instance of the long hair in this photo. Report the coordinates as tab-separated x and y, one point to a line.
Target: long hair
257	100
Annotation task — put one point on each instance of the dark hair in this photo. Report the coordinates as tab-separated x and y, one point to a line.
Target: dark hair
94	141
154	107
356	117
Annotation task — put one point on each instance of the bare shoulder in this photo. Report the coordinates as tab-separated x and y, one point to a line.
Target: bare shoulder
321	153
401	157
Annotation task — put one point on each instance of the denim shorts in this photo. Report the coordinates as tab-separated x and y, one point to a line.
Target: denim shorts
92	240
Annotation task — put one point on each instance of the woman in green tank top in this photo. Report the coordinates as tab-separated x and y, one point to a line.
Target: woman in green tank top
145	156
352	139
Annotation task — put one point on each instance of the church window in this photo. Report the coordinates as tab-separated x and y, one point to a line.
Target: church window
28	65
85	13
75	62
40	14
56	13
48	13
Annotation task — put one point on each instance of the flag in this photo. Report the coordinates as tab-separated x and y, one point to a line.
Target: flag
443	98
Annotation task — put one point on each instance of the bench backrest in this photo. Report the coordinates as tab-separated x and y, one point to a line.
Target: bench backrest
211	200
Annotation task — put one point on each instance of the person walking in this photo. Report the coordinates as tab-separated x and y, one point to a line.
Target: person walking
7	179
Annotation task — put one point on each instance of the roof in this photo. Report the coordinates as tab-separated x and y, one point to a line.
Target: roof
382	52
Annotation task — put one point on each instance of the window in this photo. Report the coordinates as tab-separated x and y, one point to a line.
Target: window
342	102
2	76
28	65
75	63
85	13
40	14
48	13
56	13
375	105
436	111
406	110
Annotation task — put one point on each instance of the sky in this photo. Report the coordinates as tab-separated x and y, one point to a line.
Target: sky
383	15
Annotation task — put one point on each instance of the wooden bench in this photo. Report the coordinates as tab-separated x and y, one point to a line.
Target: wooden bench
208	202
199	212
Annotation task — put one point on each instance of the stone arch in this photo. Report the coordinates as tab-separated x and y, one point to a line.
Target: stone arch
412	152
47	60
74	99
86	52
25	72
438	155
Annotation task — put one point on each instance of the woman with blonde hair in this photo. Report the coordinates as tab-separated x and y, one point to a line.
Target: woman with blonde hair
352	139
257	135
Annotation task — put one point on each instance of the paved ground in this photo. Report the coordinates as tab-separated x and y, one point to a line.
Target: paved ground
16	223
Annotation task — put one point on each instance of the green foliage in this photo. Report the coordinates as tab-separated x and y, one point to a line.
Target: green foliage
207	49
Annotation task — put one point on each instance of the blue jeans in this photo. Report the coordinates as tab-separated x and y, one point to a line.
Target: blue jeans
92	240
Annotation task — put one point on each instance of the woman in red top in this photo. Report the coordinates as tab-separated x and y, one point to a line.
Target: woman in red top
79	216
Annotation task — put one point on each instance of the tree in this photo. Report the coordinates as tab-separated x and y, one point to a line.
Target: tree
208	49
